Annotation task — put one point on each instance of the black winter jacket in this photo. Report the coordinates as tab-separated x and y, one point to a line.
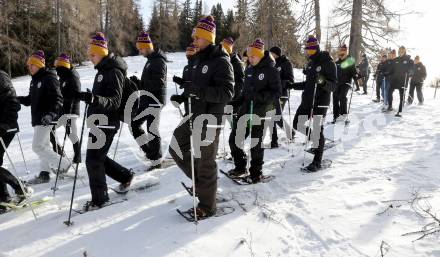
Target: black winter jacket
262	85
107	89
401	69
9	104
44	97
319	64
380	72
419	73
154	78
213	75
70	87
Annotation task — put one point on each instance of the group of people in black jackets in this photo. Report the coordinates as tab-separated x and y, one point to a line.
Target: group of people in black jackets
214	78
397	72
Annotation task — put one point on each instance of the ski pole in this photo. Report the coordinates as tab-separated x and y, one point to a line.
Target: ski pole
22	153
290	117
54	188
191	139
117	141
373	89
68	222
405	85
308	129
347	120
436	87
68	125
251	106
18	179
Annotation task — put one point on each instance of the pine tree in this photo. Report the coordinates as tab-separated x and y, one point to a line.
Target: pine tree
185	25
219	17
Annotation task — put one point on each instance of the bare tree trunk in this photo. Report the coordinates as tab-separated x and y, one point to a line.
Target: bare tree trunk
29	40
356	30
269	24
58	27
317	20
107	18
8	38
101	16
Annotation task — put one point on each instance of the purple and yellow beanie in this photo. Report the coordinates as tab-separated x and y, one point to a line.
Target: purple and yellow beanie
98	45
205	29
228	44
38	59
144	41
63	61
312	43
256	48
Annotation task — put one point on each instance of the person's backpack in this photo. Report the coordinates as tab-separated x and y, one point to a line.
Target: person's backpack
130	88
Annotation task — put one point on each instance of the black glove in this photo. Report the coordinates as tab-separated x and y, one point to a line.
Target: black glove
86	97
47	119
178	80
135	80
289	85
178	99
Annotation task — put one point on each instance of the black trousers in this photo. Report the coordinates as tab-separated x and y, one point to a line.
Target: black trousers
6	178
340	101
98	165
401	97
304	114
419	88
378	87
205	166
236	145
279	107
150	141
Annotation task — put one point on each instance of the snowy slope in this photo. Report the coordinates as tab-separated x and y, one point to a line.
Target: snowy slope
330	213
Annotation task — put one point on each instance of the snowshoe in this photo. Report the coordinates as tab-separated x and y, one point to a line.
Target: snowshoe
236	172
202	214
248	180
189	189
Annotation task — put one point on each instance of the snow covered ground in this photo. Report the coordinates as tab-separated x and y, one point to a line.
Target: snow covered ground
342	211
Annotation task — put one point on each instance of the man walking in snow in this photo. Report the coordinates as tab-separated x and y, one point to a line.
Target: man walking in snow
379	76
401	71
364	73
46	103
262	87
321	81
154	81
104	101
9	107
209	90
417	81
